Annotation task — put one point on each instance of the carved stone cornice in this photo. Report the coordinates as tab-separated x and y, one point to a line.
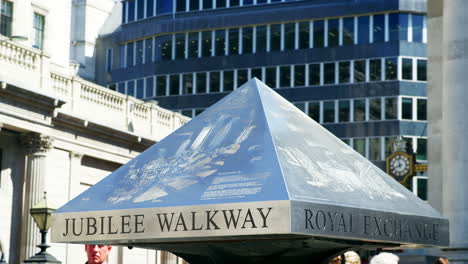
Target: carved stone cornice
36	143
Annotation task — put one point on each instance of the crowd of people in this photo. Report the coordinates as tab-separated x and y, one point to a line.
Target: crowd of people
97	254
352	257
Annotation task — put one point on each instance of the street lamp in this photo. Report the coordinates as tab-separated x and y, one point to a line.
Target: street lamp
41	214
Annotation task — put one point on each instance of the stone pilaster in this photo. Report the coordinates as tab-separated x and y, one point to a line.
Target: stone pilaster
37	146
455	127
73	191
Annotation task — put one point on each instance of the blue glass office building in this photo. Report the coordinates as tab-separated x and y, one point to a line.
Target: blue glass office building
357	67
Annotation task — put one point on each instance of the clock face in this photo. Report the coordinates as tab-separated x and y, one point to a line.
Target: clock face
400	166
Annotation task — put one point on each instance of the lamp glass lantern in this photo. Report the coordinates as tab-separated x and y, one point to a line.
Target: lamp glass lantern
41	213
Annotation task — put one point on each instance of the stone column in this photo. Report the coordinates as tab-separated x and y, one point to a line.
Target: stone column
73	191
37	146
455	127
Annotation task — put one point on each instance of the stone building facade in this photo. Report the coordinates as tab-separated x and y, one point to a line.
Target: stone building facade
60	133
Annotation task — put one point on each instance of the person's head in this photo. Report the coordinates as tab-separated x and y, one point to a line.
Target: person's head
385	258
97	254
352	257
335	260
441	261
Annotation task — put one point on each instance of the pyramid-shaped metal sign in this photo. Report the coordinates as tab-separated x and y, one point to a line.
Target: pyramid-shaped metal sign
250	165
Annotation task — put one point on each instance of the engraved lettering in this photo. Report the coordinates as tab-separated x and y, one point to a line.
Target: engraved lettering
264	217
209	220
165	223
125	221
91	225
231	219
249	219
180	221
139	223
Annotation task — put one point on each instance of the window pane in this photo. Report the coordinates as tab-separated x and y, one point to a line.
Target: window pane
220	3
193	44
318	34
363	29
121	87
140	9
300	106
261	39
285	76
201	82
375	70
275	37
271	77
409	144
344	74
329	111
122	63
374	149
248	2
220	42
348	31
163	48
112	87
149	89
360	71
398	26
148	50
333	32
187	113
139	52
421	149
422	70
261	1
234	3
206	44
359	110
299	75
187	84
375	109
140	88
407	69
247	38
418	21
379	28
314	111
241	77
422	109
314	74
163	7
131	10
180	5
130	54
343	111
389	145
38	29
257	73
329	73
174	85
233	41
199	111
124	13
390	108
304	32
407	108
161	85
207	4
289	36
180	46
359	144
391	68
228	80
194	5
149	8
131	88
214	82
